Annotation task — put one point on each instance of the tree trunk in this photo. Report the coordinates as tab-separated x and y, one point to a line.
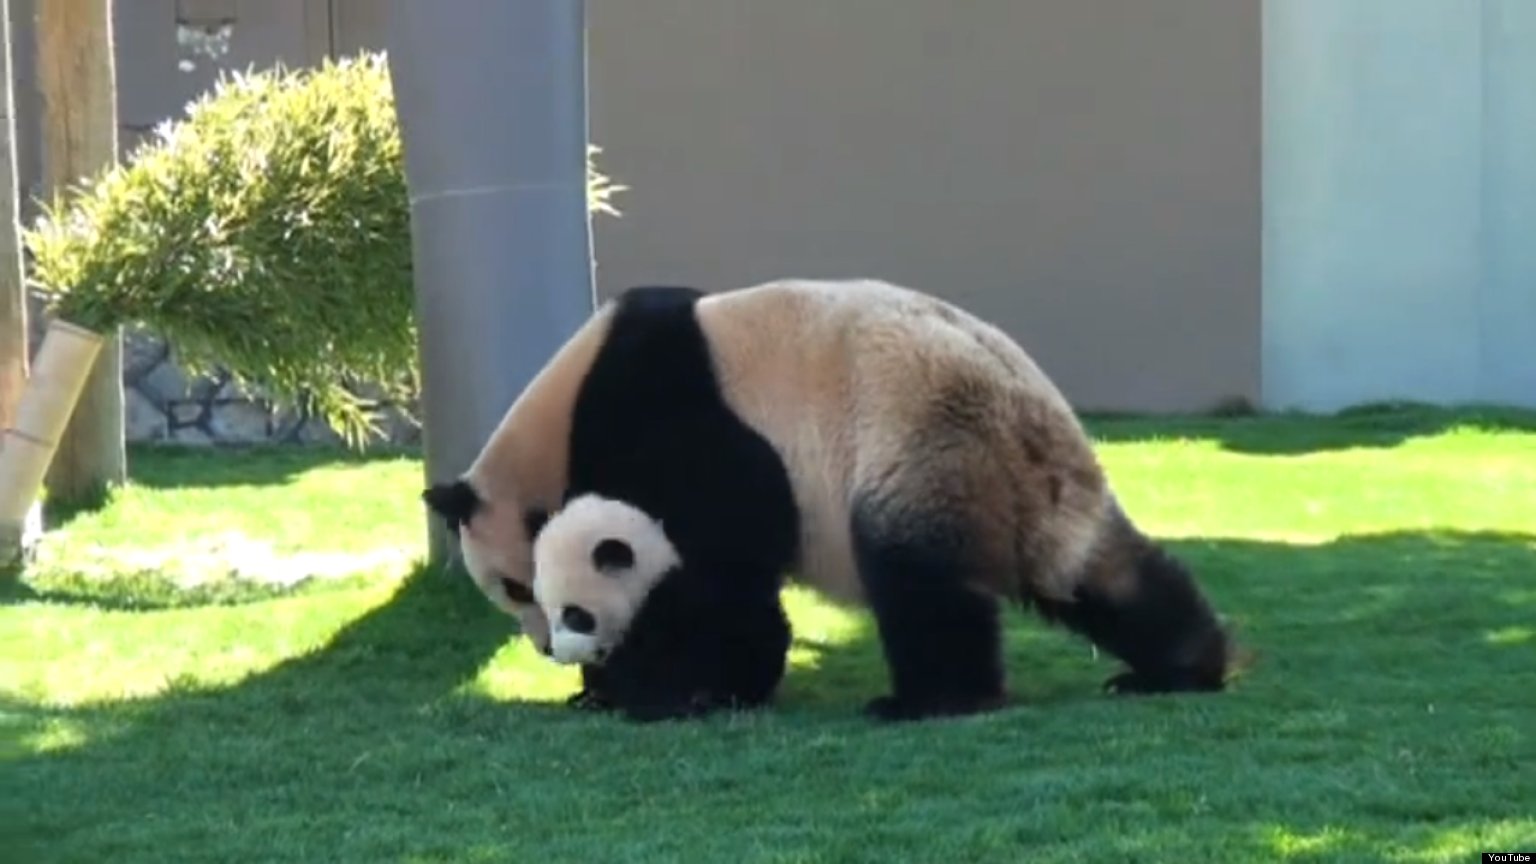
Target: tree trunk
77	82
13	289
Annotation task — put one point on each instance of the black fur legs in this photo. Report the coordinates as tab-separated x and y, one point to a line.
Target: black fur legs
591	696
1156	621
942	639
699	645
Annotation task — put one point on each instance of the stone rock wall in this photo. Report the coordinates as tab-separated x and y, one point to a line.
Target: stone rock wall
163	404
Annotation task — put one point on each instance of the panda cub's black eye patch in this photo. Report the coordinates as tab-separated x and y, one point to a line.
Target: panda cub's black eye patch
613	554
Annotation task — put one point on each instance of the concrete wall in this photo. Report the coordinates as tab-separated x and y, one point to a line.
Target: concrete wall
158	72
1098	176
1507	297
1086	173
1399	202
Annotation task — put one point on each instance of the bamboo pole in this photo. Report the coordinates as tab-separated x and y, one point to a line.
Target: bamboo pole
13	288
77	82
64	364
16	534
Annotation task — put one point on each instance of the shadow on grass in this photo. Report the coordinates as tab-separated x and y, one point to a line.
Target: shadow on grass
167	467
147	592
1379	426
369	749
158	466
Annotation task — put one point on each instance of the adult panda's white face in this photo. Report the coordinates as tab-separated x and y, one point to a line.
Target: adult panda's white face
595	561
495	546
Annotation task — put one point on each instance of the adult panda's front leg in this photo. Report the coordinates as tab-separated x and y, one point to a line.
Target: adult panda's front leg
592	695
664	667
703	644
654	687
942	638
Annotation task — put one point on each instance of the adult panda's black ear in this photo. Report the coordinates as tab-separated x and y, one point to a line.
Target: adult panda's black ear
611	554
456	502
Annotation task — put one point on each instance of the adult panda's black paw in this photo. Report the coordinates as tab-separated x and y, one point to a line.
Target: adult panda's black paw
654	713
1127	684
588	699
1133	683
887	709
695	706
890	709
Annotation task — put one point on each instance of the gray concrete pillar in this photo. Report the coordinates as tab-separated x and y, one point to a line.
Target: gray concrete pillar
492	104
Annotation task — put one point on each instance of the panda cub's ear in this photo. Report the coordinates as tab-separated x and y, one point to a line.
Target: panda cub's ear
612	554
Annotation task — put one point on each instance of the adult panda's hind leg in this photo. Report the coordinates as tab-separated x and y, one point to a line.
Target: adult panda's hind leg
1143	606
942	637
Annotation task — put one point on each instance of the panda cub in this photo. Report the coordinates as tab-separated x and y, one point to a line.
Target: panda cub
658	636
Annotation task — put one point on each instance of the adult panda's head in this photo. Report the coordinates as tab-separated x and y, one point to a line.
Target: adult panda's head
495	542
497	506
595	562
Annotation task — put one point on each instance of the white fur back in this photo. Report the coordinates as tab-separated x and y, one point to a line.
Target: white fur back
842	376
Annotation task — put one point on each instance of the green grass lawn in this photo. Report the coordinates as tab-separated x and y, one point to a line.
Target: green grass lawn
154	707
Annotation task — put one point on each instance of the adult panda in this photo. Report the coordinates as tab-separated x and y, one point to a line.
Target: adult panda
886	447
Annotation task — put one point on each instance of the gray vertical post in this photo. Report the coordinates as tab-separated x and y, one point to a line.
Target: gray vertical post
492	104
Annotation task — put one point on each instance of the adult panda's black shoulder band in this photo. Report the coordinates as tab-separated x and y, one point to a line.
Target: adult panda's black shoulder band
651	298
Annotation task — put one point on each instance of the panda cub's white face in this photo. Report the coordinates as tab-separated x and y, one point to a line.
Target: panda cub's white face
594	562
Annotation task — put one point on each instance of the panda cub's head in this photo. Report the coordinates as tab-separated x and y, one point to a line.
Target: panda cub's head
594	563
